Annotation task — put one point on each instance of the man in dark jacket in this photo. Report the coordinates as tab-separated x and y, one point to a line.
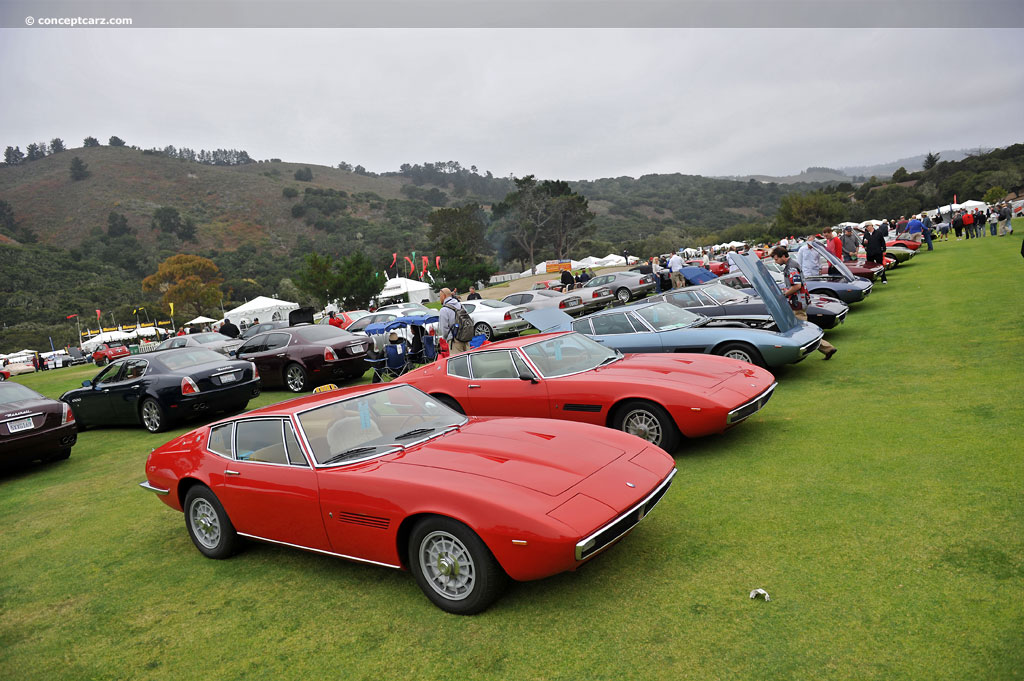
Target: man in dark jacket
568	280
229	329
874	248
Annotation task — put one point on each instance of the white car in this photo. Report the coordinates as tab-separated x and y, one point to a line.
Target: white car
495	318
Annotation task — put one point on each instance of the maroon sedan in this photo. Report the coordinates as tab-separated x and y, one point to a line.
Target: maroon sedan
34	427
301	357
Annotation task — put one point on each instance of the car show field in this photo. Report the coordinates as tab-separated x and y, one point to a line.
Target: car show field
876	498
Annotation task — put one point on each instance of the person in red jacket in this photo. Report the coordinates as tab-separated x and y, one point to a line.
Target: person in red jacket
835	246
334	321
969	224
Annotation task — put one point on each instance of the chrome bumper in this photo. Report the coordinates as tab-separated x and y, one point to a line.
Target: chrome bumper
752	407
146	485
607	535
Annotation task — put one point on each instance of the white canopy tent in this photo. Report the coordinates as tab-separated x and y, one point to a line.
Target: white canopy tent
262	308
201	320
105	337
410	290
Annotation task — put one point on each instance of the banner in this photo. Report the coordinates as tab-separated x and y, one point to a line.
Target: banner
557	265
172	308
97	316
71	316
412	267
437	260
394	259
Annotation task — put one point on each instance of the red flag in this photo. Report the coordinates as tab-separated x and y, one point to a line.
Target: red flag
437	260
97	315
394	259
954	198
412	267
71	316
426	263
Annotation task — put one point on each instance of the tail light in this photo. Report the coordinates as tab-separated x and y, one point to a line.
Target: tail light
508	316
563	304
255	371
329	355
188	386
68	416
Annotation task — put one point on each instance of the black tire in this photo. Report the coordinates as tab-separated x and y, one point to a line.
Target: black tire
152	415
2	378
453	566
623	295
485	329
99	362
450	402
208	524
648	421
742	352
295	378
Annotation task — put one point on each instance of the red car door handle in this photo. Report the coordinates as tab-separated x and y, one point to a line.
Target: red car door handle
230	472
473	385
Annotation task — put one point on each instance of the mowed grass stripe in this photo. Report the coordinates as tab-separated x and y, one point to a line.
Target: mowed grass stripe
877	499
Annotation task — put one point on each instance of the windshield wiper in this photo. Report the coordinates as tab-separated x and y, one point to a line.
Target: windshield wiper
349	452
415	432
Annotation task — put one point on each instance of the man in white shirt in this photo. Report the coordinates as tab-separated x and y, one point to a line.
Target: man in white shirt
730	258
808	259
675	265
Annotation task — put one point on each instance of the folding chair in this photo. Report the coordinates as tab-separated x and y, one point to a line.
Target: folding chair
394	363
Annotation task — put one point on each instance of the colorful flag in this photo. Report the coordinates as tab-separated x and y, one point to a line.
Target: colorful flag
71	316
412	267
437	260
172	308
394	259
97	315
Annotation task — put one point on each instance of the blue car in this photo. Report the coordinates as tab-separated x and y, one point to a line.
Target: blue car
663	327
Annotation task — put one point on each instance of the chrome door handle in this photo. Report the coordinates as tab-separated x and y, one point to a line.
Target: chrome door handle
473	385
282	354
230	472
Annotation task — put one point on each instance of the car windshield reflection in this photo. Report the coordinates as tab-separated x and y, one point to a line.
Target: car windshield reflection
569	354
370	424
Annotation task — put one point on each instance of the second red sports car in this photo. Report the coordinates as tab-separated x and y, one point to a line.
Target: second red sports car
659	397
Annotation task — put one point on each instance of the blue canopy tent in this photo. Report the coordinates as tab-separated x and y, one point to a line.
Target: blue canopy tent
401	322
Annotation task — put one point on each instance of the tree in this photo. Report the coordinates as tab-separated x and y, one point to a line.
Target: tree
357	282
547	212
900	175
57	145
90	142
115	141
79	169
117	225
13	156
318	278
930	160
345	166
994	195
807	213
458	235
304	174
168	220
290	192
190	282
33	152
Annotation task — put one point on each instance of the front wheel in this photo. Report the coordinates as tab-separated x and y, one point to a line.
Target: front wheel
451	403
743	353
453	566
207	523
153	417
623	295
648	421
295	378
484	329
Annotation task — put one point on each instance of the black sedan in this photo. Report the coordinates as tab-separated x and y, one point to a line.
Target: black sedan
33	427
158	389
301	357
721	302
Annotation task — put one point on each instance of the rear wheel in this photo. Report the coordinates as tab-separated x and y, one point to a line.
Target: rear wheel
648	421
153	417
454	567
484	329
295	378
450	402
742	352
623	295
208	525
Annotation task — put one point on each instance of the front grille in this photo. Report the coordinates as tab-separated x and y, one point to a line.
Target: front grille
752	407
810	347
588	546
365	520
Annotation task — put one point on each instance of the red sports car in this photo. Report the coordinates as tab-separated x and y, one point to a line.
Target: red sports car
108	352
659	397
906	243
716	267
390	476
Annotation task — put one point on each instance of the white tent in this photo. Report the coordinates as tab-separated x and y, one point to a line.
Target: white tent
106	337
409	290
201	320
262	308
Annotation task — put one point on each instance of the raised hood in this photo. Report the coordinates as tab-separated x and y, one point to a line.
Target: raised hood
759	277
838	264
548	319
537	454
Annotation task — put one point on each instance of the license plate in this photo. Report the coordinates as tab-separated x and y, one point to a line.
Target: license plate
228	378
20	425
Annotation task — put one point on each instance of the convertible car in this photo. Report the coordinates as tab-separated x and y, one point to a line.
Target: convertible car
569	376
33	426
663	327
393	477
158	389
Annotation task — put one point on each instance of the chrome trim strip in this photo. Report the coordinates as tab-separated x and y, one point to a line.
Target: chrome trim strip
580	545
767	393
22	416
146	485
326	553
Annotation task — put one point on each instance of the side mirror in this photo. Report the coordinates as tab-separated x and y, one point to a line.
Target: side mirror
527	377
86	383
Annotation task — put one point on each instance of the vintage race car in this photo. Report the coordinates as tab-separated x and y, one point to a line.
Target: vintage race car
568	376
392	477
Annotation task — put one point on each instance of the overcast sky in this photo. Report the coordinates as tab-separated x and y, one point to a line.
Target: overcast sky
569	104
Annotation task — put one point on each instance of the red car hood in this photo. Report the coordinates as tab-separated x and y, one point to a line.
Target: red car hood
698	371
539	454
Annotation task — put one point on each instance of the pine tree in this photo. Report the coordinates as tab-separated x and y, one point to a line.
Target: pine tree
79	169
57	145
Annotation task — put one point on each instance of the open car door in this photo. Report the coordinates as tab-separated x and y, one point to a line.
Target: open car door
835	262
759	277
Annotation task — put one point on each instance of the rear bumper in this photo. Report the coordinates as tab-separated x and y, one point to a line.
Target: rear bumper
33	444
508	328
214	400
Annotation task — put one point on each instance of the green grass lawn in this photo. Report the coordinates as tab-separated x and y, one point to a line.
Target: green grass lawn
877	498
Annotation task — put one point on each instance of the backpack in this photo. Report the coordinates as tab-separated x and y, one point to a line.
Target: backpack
463	325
